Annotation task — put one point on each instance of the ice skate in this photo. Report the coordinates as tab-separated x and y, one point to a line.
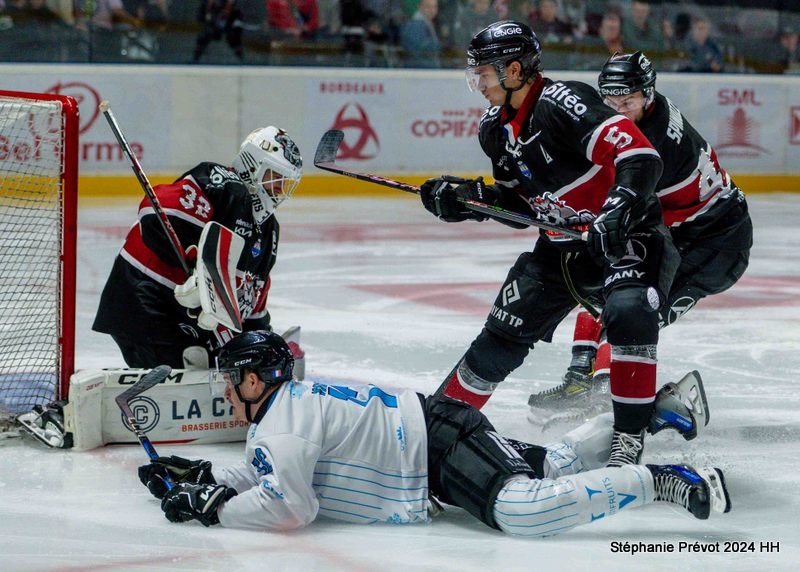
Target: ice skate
700	491
681	406
579	398
46	424
626	449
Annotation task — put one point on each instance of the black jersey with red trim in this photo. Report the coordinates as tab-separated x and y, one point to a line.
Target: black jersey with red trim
138	298
564	141
694	190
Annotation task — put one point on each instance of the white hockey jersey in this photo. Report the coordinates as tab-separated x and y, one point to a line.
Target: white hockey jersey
349	452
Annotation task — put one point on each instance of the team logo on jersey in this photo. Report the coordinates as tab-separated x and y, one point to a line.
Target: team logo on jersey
510	293
262	466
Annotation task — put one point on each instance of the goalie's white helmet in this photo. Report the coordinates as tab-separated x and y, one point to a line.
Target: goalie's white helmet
270	165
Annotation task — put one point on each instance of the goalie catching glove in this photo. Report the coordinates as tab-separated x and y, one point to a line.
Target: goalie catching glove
187	502
178	469
445	196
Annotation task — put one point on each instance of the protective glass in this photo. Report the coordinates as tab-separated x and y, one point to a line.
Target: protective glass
218	380
626	103
480	78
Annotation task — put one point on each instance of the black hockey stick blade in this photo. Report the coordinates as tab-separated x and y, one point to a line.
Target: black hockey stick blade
328	147
325	159
148	380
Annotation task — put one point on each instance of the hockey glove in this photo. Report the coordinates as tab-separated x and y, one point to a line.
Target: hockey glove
443	197
178	469
188	296
608	234
195	502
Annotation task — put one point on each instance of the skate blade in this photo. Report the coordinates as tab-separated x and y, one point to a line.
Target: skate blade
691	392
717	489
546	419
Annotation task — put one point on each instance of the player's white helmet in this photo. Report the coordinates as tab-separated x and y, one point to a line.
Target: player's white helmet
270	165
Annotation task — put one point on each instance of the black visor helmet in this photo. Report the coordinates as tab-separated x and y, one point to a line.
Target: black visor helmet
624	74
499	44
263	352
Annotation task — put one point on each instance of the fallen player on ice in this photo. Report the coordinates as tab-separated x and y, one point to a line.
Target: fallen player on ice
364	454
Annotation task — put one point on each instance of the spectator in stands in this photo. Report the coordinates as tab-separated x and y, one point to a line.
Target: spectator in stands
548	26
472	19
153	13
106	22
790	51
293	19
645	32
219	18
330	18
32	32
610	32
522	11
419	38
705	55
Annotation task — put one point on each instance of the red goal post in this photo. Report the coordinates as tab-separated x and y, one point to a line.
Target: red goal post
38	231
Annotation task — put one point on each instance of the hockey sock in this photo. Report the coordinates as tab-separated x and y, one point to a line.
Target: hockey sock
633	386
602	361
465	385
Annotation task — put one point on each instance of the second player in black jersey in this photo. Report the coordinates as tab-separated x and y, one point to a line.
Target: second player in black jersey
704	210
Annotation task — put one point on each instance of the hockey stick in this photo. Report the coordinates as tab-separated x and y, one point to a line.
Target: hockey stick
105	108
148	380
325	158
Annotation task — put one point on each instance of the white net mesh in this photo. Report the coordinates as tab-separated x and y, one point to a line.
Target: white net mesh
31	219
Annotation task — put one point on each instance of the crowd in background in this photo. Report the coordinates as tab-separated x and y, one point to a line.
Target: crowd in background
694	36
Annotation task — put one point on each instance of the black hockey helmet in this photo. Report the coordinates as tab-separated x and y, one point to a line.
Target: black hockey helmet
624	74
265	353
499	44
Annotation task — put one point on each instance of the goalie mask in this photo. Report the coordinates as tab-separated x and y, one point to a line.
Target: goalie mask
270	165
260	351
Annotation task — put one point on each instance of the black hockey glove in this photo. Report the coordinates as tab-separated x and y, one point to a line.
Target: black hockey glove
443	196
180	470
195	502
608	234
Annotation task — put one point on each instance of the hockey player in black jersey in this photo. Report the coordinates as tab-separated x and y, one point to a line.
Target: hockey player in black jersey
148	305
557	143
704	210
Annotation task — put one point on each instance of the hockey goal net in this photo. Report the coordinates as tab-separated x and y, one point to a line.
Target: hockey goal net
38	212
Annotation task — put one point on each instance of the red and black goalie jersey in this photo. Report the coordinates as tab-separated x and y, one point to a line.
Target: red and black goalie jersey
138	300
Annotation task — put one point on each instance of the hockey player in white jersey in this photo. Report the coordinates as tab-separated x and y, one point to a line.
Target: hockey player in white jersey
366	454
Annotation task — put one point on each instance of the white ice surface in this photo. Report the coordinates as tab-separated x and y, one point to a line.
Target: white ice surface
385	293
